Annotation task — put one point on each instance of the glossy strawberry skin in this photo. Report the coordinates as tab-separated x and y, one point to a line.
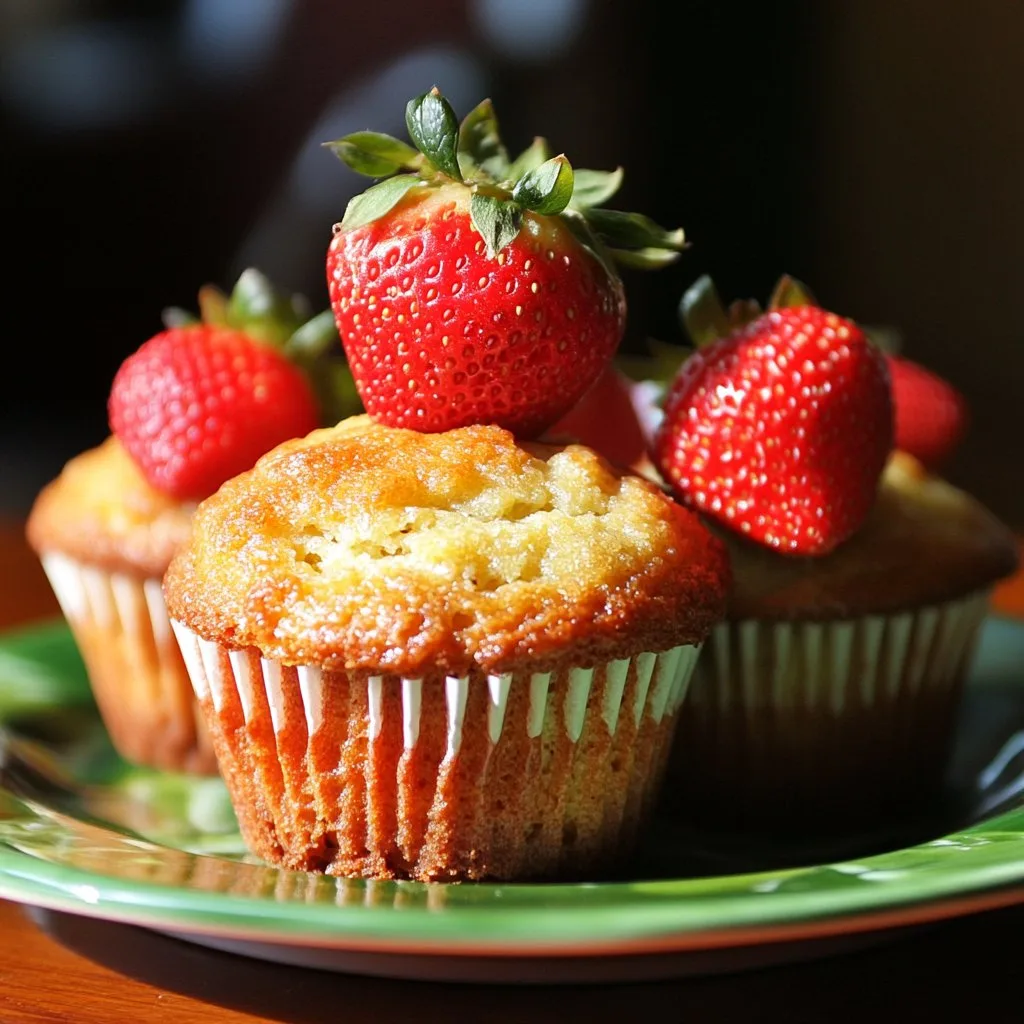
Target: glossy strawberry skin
196	405
931	415
439	334
781	430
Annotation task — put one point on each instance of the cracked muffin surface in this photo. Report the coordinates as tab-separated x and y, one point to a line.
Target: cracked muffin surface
362	547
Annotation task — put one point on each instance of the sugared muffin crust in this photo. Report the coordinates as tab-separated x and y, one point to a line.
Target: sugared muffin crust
363	547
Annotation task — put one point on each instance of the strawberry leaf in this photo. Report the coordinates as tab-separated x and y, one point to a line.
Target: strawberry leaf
547	189
885	337
375	154
701	313
314	347
592	188
175	316
497	220
480	142
335	389
313	338
633	231
648	258
789	293
377	200
434	129
584	234
213	305
530	159
259	309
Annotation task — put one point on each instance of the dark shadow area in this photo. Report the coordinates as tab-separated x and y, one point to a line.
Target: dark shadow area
917	971
151	149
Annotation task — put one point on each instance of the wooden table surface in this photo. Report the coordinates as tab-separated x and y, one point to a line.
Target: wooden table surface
59	968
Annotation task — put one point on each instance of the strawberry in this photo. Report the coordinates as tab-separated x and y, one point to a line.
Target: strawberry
203	399
931	415
779	424
471	288
606	420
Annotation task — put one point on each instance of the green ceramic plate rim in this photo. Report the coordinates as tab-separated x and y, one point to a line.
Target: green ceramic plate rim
545	919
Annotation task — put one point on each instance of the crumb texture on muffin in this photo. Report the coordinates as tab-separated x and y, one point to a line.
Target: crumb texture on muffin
363	547
925	542
101	511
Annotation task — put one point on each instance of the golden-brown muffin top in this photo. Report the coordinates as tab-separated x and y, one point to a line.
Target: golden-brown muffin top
375	549
924	542
101	510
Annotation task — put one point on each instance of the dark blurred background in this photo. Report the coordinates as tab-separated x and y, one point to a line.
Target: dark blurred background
875	150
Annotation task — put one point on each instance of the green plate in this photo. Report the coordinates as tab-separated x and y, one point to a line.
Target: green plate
83	832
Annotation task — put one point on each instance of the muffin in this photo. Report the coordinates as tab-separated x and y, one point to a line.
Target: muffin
195	403
826	699
444	656
830	693
105	537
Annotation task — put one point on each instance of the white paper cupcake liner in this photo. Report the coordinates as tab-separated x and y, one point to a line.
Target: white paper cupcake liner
506	775
830	666
143	692
843	708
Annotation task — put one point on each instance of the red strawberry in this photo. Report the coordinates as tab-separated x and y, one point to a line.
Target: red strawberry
777	428
470	288
606	420
931	415
201	401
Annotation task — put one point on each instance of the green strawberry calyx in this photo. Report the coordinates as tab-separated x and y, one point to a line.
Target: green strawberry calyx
282	322
502	189
705	319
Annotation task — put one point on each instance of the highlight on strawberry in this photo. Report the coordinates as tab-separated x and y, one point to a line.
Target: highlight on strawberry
203	399
470	287
779	423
